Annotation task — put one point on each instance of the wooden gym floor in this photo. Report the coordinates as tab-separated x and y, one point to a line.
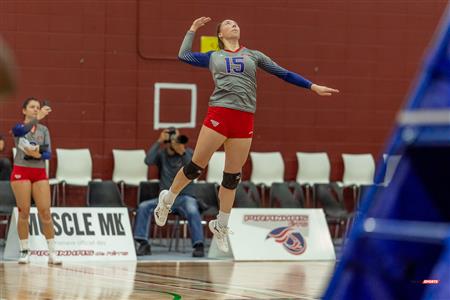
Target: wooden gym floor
166	280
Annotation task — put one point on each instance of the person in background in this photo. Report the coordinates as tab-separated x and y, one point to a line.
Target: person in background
29	178
169	153
5	163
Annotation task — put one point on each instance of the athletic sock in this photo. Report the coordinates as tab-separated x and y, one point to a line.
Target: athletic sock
222	219
170	198
24	245
51	245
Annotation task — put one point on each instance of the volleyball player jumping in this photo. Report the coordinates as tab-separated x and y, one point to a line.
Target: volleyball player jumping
229	120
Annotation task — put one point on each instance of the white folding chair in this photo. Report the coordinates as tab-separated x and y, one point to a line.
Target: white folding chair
313	168
129	168
359	169
74	168
52	181
267	168
215	167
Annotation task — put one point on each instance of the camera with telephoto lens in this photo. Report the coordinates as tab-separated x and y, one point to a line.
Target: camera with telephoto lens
180	139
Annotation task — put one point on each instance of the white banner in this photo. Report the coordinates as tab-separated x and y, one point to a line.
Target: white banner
81	234
278	234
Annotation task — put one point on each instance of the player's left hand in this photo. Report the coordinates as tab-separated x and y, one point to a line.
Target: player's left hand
323	90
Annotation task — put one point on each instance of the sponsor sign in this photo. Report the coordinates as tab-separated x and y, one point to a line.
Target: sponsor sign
278	234
81	234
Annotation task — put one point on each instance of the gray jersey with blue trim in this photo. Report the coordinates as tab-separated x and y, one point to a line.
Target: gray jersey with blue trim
234	74
40	137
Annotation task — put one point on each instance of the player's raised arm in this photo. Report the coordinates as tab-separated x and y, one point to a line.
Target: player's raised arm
185	54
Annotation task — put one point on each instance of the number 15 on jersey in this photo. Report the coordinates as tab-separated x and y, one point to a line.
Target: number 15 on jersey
234	64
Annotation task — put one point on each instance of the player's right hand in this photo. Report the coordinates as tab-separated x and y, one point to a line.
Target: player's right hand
43	112
199	23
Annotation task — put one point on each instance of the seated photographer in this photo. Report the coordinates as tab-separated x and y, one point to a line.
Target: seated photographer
170	154
5	163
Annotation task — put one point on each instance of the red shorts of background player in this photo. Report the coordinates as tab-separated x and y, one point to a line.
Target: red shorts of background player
27	173
229	122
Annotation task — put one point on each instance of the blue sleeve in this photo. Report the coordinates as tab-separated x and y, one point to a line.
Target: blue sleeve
298	80
22	129
197	59
47	154
265	63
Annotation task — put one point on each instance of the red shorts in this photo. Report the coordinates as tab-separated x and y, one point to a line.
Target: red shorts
229	122
27	173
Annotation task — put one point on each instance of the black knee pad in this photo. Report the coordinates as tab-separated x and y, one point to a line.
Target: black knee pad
230	180
192	171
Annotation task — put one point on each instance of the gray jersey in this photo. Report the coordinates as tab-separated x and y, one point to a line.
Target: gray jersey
234	73
40	137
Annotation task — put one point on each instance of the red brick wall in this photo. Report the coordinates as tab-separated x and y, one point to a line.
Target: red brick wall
84	57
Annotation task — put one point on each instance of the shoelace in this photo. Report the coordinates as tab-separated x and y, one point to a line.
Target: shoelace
23	253
223	230
167	207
